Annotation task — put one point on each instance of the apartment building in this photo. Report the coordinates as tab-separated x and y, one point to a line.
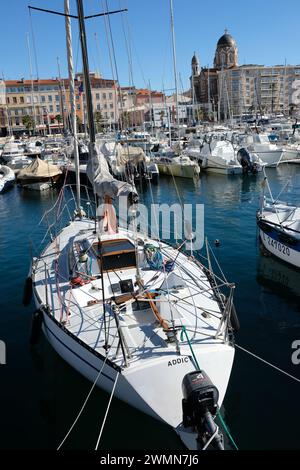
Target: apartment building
47	101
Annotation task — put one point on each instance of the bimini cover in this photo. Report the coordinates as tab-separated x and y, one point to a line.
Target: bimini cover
39	169
128	153
105	185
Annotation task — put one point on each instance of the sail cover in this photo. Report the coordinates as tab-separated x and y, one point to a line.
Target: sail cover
129	154
39	169
105	185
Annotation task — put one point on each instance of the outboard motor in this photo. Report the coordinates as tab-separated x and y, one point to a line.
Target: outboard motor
245	160
199	407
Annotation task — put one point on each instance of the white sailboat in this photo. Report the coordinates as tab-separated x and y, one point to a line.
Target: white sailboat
134	315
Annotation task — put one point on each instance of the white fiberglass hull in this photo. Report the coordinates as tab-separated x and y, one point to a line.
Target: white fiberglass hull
280	249
182	171
270	158
155	387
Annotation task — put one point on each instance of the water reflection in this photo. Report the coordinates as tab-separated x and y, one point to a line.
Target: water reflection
278	276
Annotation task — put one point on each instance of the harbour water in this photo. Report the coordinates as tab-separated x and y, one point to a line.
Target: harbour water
40	395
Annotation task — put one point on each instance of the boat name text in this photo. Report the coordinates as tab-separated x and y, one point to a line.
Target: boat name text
179	360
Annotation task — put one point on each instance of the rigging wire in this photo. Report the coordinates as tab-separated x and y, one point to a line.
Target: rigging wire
107	410
34	46
85	401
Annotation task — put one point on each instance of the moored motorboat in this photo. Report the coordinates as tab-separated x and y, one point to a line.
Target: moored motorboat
279	229
7	178
39	175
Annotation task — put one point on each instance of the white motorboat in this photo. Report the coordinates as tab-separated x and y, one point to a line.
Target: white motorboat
7	178
279	229
11	150
180	165
268	152
39	175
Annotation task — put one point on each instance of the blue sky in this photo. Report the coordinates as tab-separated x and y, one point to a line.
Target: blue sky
266	31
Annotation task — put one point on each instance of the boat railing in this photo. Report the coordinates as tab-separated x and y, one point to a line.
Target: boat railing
64	209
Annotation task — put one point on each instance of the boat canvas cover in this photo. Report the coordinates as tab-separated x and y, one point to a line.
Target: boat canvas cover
129	153
105	185
39	169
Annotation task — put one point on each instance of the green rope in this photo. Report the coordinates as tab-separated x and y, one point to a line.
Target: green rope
226	430
184	332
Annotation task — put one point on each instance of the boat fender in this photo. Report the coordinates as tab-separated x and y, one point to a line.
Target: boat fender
36	326
27	292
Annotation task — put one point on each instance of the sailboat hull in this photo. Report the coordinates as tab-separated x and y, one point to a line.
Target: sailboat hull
155	388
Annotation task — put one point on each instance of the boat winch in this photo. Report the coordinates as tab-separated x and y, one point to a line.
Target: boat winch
199	408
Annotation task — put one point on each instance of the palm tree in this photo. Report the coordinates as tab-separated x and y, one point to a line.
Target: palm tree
58	118
28	122
161	115
99	121
125	119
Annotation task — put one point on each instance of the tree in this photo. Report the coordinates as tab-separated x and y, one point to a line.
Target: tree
28	122
79	124
125	119
99	121
58	118
199	114
161	115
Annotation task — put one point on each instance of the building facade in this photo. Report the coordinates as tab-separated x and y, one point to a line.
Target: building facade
47	102
229	90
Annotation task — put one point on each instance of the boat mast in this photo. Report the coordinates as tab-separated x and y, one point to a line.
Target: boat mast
31	80
72	100
174	65
86	76
62	112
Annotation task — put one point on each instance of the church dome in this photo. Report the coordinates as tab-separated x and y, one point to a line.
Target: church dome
226	53
226	40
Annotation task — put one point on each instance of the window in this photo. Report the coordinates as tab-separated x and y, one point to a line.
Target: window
22	99
105	106
110	96
78	107
43	99
7	100
77	97
98	107
28	99
104	96
50	98
35	99
17	122
14	99
112	115
56	97
57	107
16	112
97	96
111	105
51	108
